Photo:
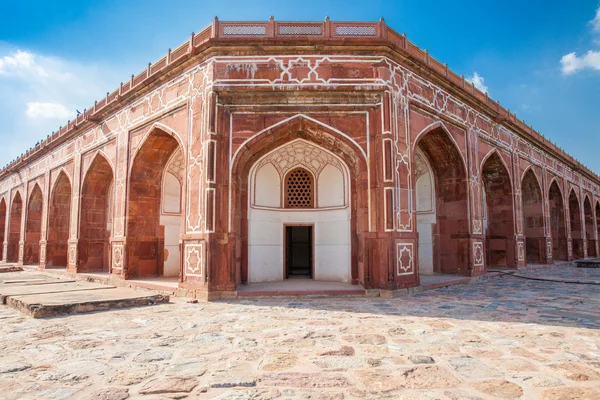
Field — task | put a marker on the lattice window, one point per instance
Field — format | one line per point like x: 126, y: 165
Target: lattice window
x: 355, y: 31
x: 299, y: 189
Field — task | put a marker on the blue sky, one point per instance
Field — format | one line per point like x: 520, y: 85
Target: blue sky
x: 540, y: 59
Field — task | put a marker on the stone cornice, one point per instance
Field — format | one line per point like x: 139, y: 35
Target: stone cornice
x: 327, y: 34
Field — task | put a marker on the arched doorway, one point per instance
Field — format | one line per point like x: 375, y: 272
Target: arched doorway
x: 498, y: 209
x: 362, y: 271
x: 59, y: 218
x: 14, y: 229
x: 154, y: 207
x: 3, y: 226
x: 450, y: 254
x: 575, y: 218
x: 94, y: 223
x: 557, y: 223
x: 589, y: 227
x: 33, y: 226
x: 299, y: 219
x: 533, y: 218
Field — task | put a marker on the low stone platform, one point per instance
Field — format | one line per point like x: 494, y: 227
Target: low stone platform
x: 40, y: 295
x: 10, y: 268
x: 588, y: 263
x: 51, y: 287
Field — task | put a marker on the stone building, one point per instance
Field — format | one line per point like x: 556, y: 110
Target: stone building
x: 265, y: 151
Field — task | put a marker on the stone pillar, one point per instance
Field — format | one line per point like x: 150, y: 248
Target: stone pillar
x: 6, y: 222
x: 199, y: 194
x: 45, y: 208
x: 548, y: 257
x: 118, y: 265
x: 74, y: 219
x: 518, y: 213
x: 25, y: 200
x: 476, y: 243
x: 402, y: 195
x: 567, y: 193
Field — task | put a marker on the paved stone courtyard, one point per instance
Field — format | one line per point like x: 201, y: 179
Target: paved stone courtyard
x: 507, y: 338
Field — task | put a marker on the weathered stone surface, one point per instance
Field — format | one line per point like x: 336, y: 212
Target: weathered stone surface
x: 343, y: 351
x: 500, y: 389
x: 304, y: 380
x: 421, y: 359
x: 169, y: 385
x: 427, y: 378
x: 13, y: 367
x: 152, y: 356
x: 378, y: 381
x: 109, y: 394
x: 133, y: 374
x: 372, y: 339
x: 278, y: 362
x: 74, y: 357
x: 571, y: 393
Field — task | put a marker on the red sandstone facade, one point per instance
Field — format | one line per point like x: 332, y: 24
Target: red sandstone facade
x: 91, y: 197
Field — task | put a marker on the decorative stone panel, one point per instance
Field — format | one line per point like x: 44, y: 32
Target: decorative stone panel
x: 194, y: 259
x: 405, y: 262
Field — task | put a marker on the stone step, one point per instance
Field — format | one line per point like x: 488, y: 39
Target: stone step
x: 52, y: 287
x: 82, y: 301
x: 588, y: 263
x: 10, y: 268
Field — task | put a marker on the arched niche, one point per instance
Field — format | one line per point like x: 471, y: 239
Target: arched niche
x: 533, y: 218
x: 576, y: 227
x: 33, y: 227
x: 299, y: 184
x: 59, y: 218
x: 499, y: 227
x: 558, y: 228
x: 94, y: 229
x: 450, y: 234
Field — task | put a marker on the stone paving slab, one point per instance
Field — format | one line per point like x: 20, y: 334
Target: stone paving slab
x: 31, y: 281
x: 53, y: 304
x: 54, y: 287
x: 9, y: 268
x: 588, y: 263
x: 505, y: 339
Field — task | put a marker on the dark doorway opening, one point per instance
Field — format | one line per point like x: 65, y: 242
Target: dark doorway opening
x: 299, y: 252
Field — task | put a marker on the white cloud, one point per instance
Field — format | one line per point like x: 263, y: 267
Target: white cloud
x: 595, y: 23
x: 20, y: 63
x: 572, y: 63
x: 478, y: 81
x: 39, y: 93
x: 36, y: 109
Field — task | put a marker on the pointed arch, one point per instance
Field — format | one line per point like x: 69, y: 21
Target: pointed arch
x: 253, y: 149
x: 59, y: 219
x: 298, y: 120
x: 558, y: 227
x: 576, y: 226
x: 450, y: 254
x: 588, y: 214
x: 33, y: 226
x: 500, y: 229
x: 436, y: 127
x: 533, y: 217
x: 145, y: 232
x: 497, y: 153
x: 14, y: 228
x: 156, y: 129
x: 94, y: 228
